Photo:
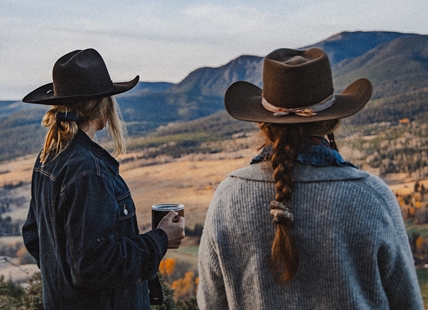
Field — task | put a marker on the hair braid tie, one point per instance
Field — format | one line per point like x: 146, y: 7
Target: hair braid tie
x: 281, y: 213
x: 66, y: 117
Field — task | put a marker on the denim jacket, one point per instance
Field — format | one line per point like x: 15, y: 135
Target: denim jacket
x: 82, y: 230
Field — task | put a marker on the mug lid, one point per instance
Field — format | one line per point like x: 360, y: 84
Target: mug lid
x: 168, y: 207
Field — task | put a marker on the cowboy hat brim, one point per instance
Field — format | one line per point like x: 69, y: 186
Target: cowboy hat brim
x: 45, y: 94
x: 243, y: 101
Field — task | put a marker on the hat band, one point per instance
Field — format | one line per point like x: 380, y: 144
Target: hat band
x: 303, y: 111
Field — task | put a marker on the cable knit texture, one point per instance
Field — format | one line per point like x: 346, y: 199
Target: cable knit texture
x: 353, y: 247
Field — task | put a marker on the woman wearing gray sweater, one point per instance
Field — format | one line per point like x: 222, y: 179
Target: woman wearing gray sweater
x: 301, y: 228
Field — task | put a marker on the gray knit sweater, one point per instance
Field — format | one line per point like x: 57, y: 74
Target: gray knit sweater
x: 353, y: 248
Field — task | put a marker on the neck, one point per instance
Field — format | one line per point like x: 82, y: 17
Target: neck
x: 92, y: 127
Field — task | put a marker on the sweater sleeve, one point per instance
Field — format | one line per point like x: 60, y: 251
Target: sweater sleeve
x: 395, y: 258
x: 398, y: 271
x: 398, y: 276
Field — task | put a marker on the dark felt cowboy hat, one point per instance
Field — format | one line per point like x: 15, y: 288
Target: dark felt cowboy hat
x: 297, y: 88
x: 79, y: 75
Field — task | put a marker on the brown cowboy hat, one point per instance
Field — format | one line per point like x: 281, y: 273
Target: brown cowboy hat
x: 297, y: 88
x: 78, y: 75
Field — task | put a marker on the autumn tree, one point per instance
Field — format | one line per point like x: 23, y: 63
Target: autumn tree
x: 186, y: 287
x: 166, y: 268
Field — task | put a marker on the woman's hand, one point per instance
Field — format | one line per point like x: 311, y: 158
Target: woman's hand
x: 173, y: 225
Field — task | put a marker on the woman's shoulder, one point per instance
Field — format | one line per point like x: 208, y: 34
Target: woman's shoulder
x: 80, y: 157
x: 302, y: 173
x: 75, y: 161
x: 263, y: 172
x: 256, y: 172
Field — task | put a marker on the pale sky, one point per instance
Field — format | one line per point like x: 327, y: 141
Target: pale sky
x: 166, y: 40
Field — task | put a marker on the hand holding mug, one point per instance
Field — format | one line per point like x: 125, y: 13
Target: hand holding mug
x: 170, y: 217
x: 173, y: 225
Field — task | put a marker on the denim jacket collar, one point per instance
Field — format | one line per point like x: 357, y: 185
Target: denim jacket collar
x: 319, y: 153
x: 83, y: 139
x: 316, y: 153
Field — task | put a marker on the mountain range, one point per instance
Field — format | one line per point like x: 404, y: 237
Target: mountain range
x: 395, y: 63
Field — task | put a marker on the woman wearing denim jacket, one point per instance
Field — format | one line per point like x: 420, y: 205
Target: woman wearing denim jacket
x: 81, y: 226
x: 301, y: 228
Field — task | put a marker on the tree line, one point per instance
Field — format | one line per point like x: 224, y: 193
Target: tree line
x: 392, y: 148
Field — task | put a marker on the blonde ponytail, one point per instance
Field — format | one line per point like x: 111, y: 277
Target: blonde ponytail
x: 61, y: 128
x: 59, y: 133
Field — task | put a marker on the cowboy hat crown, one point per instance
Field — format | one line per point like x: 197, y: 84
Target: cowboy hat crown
x: 78, y: 75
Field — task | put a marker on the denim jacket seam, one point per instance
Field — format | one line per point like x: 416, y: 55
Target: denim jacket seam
x: 127, y: 216
x: 97, y: 163
x: 44, y: 172
x: 80, y: 176
x: 123, y: 196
